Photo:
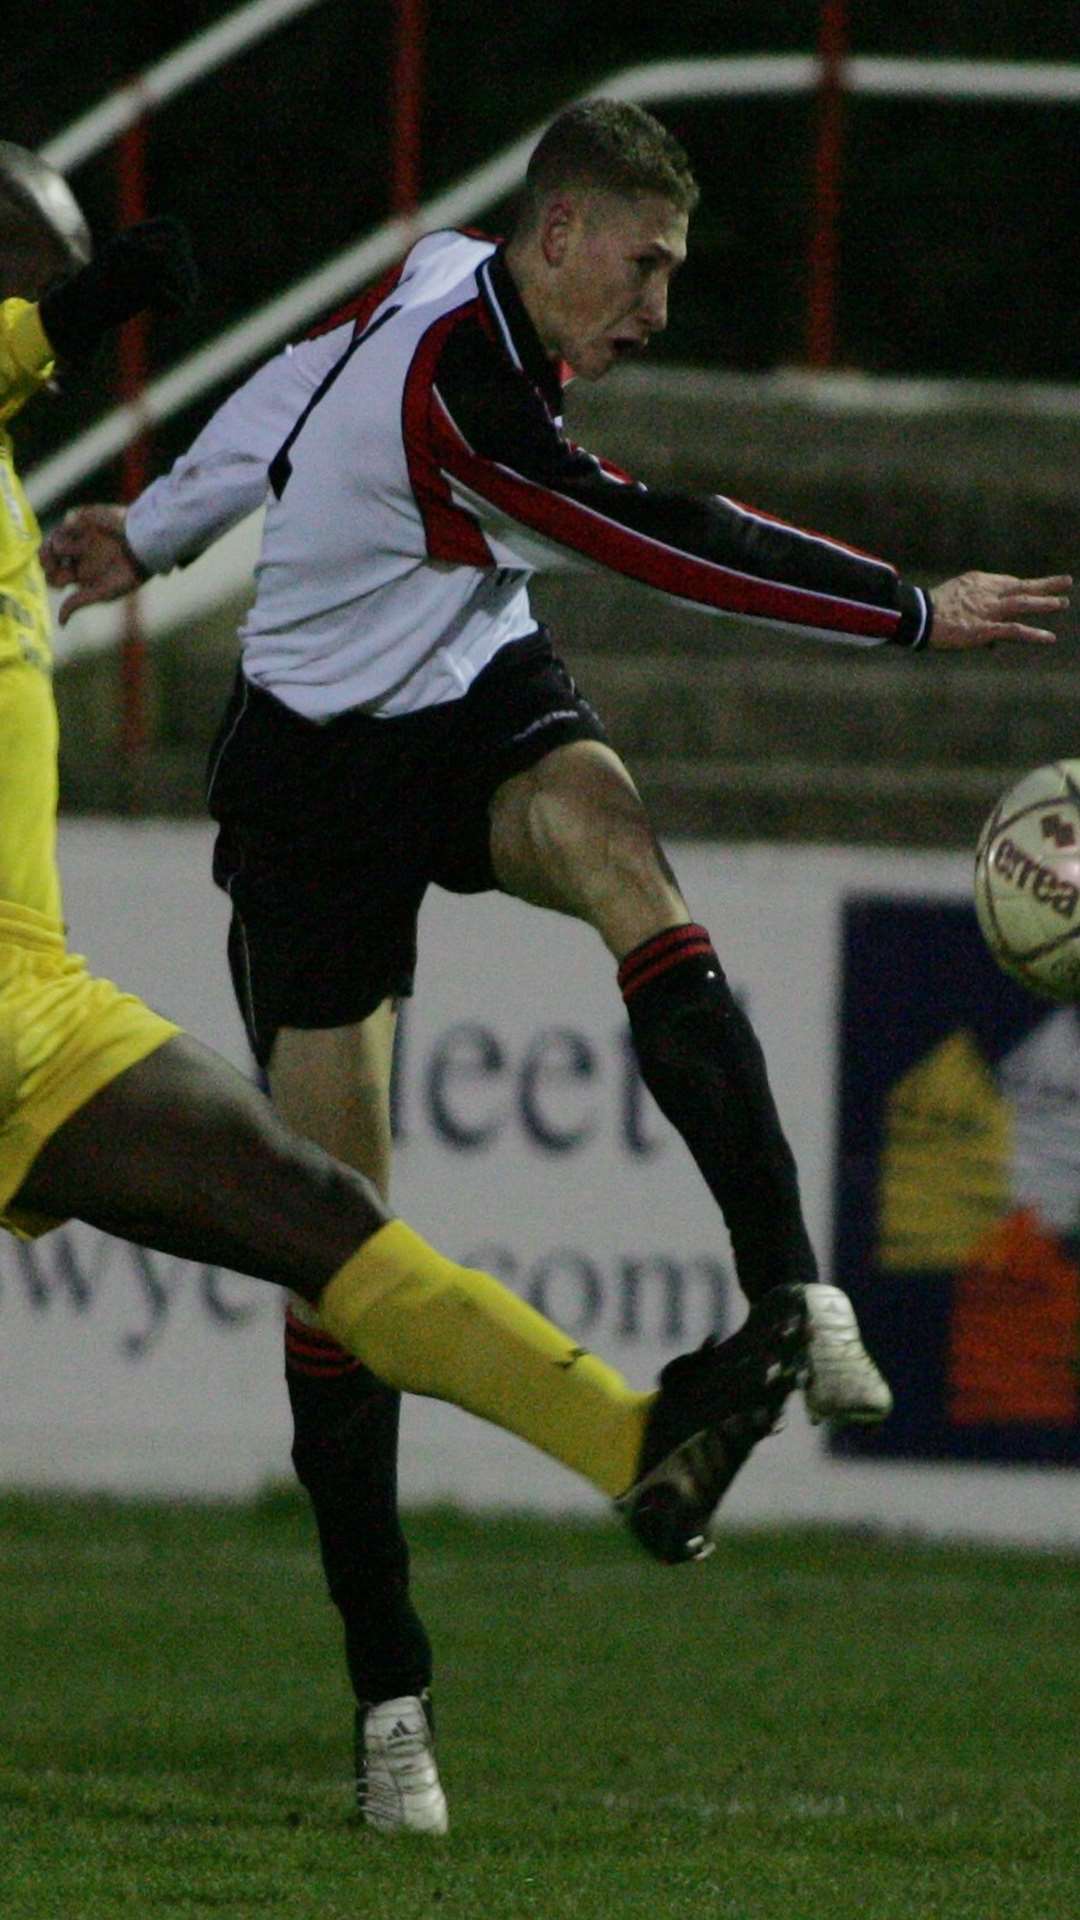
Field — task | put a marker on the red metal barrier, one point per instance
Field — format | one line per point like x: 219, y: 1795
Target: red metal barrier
x: 406, y: 105
x: 133, y: 367
x: 823, y: 246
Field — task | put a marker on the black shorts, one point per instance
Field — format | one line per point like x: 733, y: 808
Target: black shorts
x: 330, y: 833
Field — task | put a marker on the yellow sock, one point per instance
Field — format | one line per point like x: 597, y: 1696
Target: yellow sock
x: 426, y: 1325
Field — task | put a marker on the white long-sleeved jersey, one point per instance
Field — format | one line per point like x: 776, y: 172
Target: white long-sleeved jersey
x: 415, y: 474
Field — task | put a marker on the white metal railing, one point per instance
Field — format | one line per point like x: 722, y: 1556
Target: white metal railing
x: 1028, y: 82
x: 761, y: 74
x: 198, y: 56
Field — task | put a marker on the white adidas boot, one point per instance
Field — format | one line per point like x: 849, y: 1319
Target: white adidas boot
x: 397, y: 1781
x: 843, y: 1382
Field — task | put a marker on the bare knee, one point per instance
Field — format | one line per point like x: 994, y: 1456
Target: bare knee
x: 333, y: 1086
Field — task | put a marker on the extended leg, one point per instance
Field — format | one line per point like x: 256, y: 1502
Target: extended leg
x: 183, y: 1154
x: 572, y: 834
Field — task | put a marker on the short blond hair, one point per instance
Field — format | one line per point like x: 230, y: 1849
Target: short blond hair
x: 614, y: 147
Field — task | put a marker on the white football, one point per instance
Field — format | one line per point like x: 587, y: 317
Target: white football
x: 1027, y: 881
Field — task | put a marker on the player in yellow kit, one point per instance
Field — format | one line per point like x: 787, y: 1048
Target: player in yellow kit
x: 63, y: 1034
x: 27, y: 720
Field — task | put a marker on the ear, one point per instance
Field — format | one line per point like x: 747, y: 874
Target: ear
x: 555, y: 230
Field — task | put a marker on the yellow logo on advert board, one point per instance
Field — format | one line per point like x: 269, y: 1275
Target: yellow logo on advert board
x: 944, y: 1166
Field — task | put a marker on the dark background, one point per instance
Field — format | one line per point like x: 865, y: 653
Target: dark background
x: 959, y: 248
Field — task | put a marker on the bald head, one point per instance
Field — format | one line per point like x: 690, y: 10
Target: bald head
x: 43, y: 235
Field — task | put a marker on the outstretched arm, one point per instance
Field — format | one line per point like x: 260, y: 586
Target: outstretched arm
x: 148, y: 265
x: 540, y: 499
x: 219, y: 481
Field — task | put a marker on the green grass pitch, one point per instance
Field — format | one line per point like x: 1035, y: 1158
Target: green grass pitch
x: 810, y: 1726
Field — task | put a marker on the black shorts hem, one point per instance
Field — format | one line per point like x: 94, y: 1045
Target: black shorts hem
x: 330, y: 834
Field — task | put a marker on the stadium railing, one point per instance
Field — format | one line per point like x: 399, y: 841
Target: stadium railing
x: 240, y: 346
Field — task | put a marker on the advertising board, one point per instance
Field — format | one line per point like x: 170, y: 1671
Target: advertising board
x: 526, y: 1143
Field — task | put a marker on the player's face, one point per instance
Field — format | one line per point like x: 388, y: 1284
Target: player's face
x: 613, y: 260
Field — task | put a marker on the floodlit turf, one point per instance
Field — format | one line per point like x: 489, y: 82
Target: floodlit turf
x: 806, y: 1727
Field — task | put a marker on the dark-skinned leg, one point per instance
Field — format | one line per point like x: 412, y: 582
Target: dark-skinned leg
x: 182, y: 1153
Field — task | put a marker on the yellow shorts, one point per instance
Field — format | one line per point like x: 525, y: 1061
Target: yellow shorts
x: 63, y: 1036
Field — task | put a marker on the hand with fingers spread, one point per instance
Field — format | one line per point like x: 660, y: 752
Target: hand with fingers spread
x: 89, y: 551
x: 977, y: 609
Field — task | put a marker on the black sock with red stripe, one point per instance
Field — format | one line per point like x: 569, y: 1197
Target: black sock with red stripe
x: 704, y: 1067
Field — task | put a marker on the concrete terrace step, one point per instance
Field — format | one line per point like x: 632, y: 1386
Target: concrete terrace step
x: 896, y: 712
x: 946, y: 474
x: 821, y: 802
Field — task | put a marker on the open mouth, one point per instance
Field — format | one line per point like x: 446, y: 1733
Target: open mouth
x: 624, y: 348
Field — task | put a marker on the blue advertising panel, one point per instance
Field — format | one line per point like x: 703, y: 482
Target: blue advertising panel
x: 957, y: 1190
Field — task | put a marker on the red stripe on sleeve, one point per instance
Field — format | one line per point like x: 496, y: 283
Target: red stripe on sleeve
x: 685, y: 576
x: 452, y: 535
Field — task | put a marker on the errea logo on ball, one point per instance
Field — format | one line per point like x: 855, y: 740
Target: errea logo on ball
x: 1023, y: 871
x: 1027, y: 881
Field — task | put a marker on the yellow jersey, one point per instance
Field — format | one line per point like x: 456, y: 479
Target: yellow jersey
x: 28, y: 729
x: 26, y: 362
x: 63, y: 1033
